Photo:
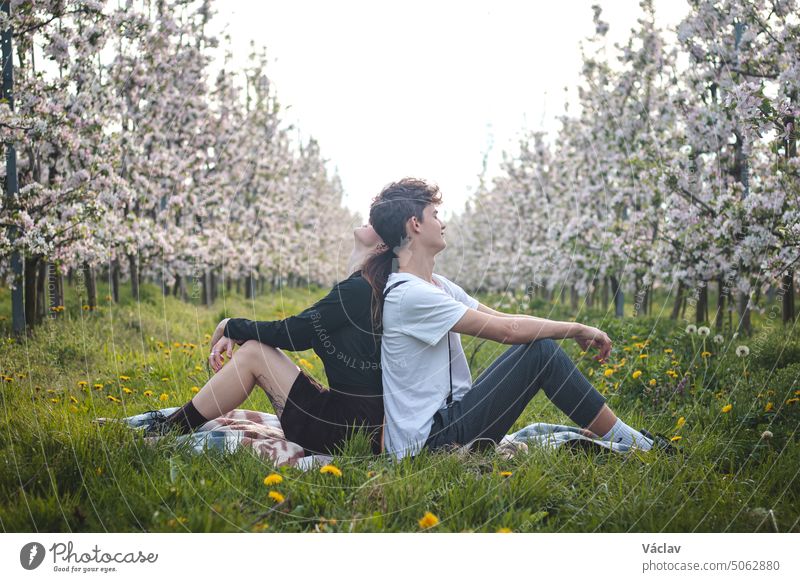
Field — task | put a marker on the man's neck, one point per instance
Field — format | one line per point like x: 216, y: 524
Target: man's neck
x: 417, y: 264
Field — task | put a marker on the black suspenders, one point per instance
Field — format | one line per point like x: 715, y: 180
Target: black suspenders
x: 449, y: 354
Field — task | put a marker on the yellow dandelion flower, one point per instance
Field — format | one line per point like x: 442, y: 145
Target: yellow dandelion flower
x: 634, y: 337
x: 86, y: 308
x: 127, y: 390
x: 371, y: 474
x: 113, y: 398
x: 668, y: 351
x: 198, y: 368
x: 727, y: 408
x: 705, y: 354
x: 428, y: 520
x: 636, y: 374
x: 504, y: 530
x: 582, y: 353
x: 792, y: 400
x: 163, y: 397
x: 272, y: 479
x: 608, y: 372
x: 148, y: 392
x: 165, y: 379
x: 276, y: 497
x: 98, y: 470
x: 73, y: 408
x: 642, y: 356
x: 54, y: 400
x: 797, y: 392
x: 195, y: 389
x: 768, y: 407
x: 676, y: 438
x: 506, y: 473
x: 83, y: 383
x: 675, y: 362
x: 124, y: 378
x: 98, y: 386
x: 591, y: 371
x: 333, y: 470
x: 73, y: 399
x: 652, y: 382
x: 681, y: 422
x: 176, y: 344
x: 626, y: 349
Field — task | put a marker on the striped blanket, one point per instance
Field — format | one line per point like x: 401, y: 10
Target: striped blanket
x: 262, y: 433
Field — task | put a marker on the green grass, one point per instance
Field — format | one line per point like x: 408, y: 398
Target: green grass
x: 62, y: 473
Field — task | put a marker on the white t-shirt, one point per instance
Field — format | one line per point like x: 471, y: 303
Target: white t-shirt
x: 417, y: 317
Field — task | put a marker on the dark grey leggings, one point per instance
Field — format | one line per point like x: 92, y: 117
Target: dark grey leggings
x: 500, y: 394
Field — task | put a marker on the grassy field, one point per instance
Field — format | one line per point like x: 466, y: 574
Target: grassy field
x: 63, y: 474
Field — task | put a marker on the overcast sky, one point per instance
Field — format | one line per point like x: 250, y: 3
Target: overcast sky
x: 423, y: 88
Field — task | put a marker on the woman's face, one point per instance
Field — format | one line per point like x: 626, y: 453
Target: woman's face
x: 366, y: 236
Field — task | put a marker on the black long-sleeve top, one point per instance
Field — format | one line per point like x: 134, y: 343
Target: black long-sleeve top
x: 339, y: 329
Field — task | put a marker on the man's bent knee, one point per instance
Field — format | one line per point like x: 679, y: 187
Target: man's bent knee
x: 545, y: 345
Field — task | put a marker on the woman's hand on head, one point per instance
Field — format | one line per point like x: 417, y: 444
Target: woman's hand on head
x: 591, y: 337
x: 218, y: 351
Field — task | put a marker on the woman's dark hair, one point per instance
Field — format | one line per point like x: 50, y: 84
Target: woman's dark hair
x: 388, y: 214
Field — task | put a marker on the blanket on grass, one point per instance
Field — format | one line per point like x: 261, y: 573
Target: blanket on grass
x: 262, y: 433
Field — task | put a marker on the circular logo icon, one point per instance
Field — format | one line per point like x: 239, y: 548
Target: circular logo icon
x: 31, y: 555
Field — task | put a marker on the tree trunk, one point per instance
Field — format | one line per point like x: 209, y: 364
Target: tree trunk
x: 787, y: 297
x: 115, y: 269
x: 205, y: 297
x: 228, y: 285
x: 745, y: 326
x: 91, y: 286
x: 605, y: 293
x: 238, y: 286
x: 676, y: 307
x: 134, y: 277
x: 30, y: 270
x: 701, y: 309
x: 573, y: 298
x: 618, y: 296
x: 720, y: 315
x: 41, y: 296
x: 212, y: 282
x: 248, y: 286
x: 58, y: 296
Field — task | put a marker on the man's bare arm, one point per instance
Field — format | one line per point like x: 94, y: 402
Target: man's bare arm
x: 507, y: 328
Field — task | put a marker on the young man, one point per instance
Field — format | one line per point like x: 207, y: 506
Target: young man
x: 429, y: 398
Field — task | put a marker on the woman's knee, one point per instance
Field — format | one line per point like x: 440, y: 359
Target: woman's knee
x: 256, y: 351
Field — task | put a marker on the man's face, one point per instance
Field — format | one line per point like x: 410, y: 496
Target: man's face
x: 431, y: 233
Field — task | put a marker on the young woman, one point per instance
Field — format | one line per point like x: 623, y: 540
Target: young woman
x: 339, y: 329
x: 429, y: 398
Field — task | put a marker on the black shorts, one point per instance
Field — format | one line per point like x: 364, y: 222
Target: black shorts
x: 320, y: 419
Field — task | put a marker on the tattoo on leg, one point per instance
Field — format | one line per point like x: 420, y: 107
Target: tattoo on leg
x: 276, y: 401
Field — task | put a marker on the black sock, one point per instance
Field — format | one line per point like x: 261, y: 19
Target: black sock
x: 187, y: 418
